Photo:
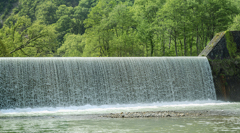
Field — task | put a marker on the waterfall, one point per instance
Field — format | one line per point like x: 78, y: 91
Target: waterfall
x: 58, y: 82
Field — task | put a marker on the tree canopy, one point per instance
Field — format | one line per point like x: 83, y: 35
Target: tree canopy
x: 116, y: 28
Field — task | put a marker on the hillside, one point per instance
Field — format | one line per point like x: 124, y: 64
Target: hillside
x: 106, y: 28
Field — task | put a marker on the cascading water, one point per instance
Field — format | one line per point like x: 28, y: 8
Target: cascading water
x: 57, y: 82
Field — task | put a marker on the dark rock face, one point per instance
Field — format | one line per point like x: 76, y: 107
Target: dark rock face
x: 233, y: 88
x: 219, y: 51
x: 226, y: 77
x: 236, y: 36
x: 227, y: 88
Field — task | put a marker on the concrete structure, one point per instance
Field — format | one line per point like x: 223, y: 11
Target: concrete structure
x: 217, y: 48
x: 226, y: 73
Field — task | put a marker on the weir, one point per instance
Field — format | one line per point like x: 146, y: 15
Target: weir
x: 59, y: 82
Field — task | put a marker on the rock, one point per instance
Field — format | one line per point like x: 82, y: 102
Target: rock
x: 198, y: 113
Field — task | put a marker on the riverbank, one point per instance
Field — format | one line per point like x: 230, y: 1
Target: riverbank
x: 185, y: 113
x: 142, y: 114
x: 95, y: 123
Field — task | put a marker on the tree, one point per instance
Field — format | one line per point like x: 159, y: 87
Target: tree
x: 3, y: 50
x: 23, y: 38
x: 72, y: 3
x: 46, y: 12
x: 171, y: 15
x: 194, y: 22
x: 236, y: 24
x: 145, y: 14
x: 80, y: 14
x: 113, y: 33
x: 114, y: 27
x: 72, y: 46
x: 63, y: 10
x: 63, y: 26
x: 28, y: 8
x: 219, y: 13
x: 98, y: 37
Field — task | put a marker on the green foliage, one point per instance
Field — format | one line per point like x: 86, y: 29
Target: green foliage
x: 64, y: 10
x: 72, y: 3
x: 145, y: 15
x: 113, y: 27
x: 46, y: 12
x: 110, y: 30
x: 6, y: 6
x: 3, y: 51
x: 231, y: 45
x: 63, y: 26
x: 72, y: 47
x: 80, y: 14
x: 235, y: 26
x: 28, y: 8
x: 24, y: 38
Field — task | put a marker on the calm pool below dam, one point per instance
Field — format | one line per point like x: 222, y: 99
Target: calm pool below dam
x: 86, y: 118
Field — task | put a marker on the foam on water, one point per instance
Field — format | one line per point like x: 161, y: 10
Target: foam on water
x: 91, y: 109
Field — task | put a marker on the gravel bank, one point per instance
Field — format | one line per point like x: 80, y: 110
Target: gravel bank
x: 146, y: 114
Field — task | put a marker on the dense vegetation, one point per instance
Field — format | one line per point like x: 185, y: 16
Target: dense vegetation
x: 113, y: 27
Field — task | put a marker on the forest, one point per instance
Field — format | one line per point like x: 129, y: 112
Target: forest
x: 112, y: 28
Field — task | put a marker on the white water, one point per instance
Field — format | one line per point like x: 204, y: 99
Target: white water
x: 72, y: 119
x: 75, y: 82
x: 91, y: 109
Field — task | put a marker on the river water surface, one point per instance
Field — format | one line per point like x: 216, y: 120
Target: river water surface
x: 86, y: 118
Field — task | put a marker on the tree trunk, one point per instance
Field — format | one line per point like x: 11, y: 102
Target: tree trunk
x: 181, y: 47
x: 163, y: 45
x: 185, y: 43
x: 203, y: 41
x: 152, y: 45
x: 197, y: 41
x: 170, y: 39
x: 175, y: 42
x: 191, y: 44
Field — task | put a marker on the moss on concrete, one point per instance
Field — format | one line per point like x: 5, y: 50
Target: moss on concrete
x: 228, y: 67
x: 212, y: 44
